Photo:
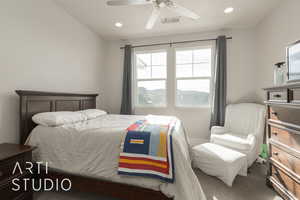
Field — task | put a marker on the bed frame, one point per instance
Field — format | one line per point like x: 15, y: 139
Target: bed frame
x: 33, y: 102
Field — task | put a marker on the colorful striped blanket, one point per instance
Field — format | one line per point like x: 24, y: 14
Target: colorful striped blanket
x: 148, y: 150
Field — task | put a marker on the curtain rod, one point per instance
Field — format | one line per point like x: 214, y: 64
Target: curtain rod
x: 171, y: 43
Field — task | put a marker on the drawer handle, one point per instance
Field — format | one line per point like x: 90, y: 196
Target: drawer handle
x: 274, y: 113
x: 276, y: 153
x: 275, y: 133
x: 277, y: 95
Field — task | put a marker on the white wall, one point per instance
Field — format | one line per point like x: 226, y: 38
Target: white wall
x: 279, y: 29
x: 43, y: 48
x: 113, y: 76
x: 241, y: 73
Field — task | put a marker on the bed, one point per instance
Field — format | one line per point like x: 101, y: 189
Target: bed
x: 91, y: 165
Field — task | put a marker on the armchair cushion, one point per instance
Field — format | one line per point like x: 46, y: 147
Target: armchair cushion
x: 219, y: 130
x: 238, y: 142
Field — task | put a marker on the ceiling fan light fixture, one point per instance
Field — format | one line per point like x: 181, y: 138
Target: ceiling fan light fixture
x: 228, y: 10
x: 118, y: 24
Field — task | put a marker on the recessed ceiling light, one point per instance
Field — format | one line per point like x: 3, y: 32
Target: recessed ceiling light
x: 118, y: 24
x: 228, y: 10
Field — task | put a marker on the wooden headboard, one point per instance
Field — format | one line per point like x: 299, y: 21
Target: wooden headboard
x: 33, y: 102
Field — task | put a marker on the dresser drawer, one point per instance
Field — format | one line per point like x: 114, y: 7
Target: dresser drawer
x: 295, y: 95
x: 281, y: 190
x: 285, y: 136
x: 284, y: 114
x: 289, y: 161
x: 25, y: 196
x: 287, y: 182
x: 7, y: 166
x: 6, y: 191
x: 278, y: 96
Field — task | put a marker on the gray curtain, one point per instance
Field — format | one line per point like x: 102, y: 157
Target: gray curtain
x: 220, y: 83
x: 126, y: 106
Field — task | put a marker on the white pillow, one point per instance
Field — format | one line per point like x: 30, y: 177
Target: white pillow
x: 58, y: 118
x: 92, y: 113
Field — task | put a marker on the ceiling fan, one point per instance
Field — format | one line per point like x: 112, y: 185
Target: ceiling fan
x: 157, y: 6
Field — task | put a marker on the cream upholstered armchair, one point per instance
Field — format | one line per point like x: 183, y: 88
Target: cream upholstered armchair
x: 243, y: 130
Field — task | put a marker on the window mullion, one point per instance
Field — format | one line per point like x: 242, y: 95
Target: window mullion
x: 192, y: 78
x: 152, y: 79
x: 192, y: 63
x: 151, y: 64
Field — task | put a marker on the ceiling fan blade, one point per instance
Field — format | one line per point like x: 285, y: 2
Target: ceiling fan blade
x: 153, y: 18
x: 128, y: 2
x: 183, y: 11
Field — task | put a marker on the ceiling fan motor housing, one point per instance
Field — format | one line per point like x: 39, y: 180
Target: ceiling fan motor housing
x: 170, y: 20
x: 163, y: 3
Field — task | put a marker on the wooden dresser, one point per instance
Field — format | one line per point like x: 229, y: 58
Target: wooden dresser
x: 283, y: 130
x: 10, y: 154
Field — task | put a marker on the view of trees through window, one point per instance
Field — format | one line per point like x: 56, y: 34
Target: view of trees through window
x: 192, y: 77
x: 193, y: 74
x: 151, y: 78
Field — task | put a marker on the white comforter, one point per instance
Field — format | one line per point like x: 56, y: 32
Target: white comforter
x: 92, y: 148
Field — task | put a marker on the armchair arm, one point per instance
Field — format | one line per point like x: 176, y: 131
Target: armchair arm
x: 218, y: 130
x: 257, y: 140
x: 251, y: 139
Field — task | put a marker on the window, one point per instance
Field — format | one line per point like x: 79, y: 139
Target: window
x: 150, y: 78
x: 193, y: 77
x: 173, y: 76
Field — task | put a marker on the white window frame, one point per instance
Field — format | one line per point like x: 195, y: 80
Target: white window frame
x: 171, y: 79
x: 210, y: 78
x: 136, y: 80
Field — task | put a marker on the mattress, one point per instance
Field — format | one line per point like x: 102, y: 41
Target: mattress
x: 92, y: 148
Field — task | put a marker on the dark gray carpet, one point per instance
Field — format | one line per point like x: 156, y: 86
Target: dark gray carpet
x: 251, y: 187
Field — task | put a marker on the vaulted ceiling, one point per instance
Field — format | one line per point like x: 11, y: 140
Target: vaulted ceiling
x: 102, y: 18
